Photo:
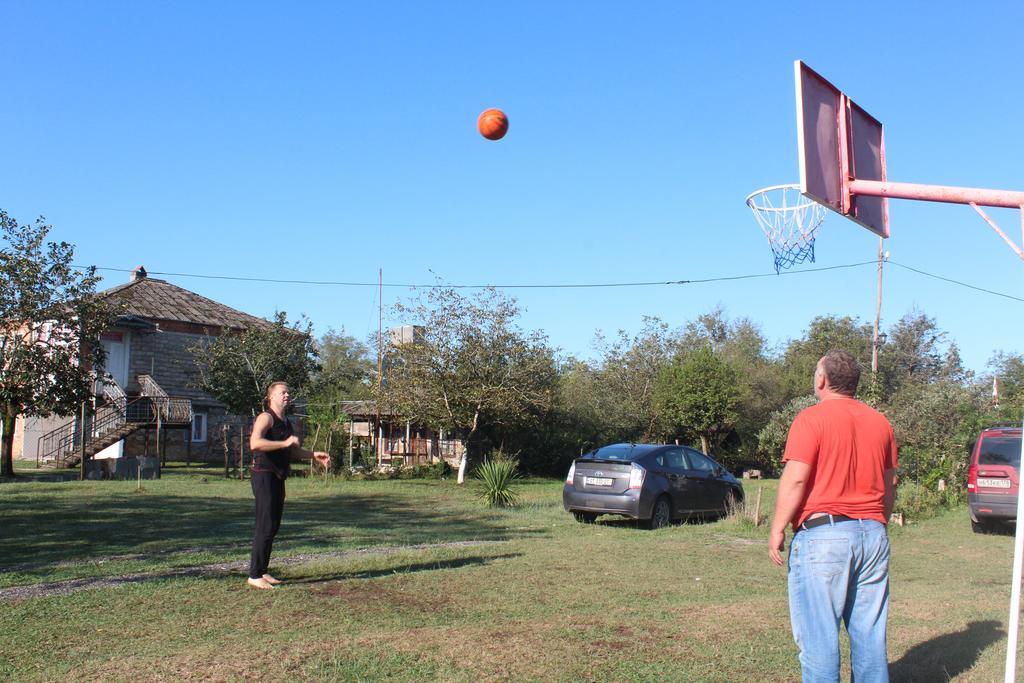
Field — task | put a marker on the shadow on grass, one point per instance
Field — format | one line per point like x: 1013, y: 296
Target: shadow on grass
x: 630, y: 523
x: 946, y: 656
x: 61, y: 526
x: 405, y: 569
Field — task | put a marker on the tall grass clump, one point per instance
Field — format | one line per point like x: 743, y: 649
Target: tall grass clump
x: 498, y: 475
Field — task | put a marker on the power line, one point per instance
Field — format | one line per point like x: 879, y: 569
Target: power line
x: 958, y: 282
x: 586, y: 285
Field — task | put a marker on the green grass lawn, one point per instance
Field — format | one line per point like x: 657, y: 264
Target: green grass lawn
x: 529, y: 595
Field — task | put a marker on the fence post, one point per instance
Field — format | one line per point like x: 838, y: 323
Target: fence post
x: 82, y: 430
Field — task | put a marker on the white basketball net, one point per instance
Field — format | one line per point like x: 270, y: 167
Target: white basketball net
x: 789, y: 220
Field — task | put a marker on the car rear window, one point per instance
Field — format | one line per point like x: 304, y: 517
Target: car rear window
x: 1000, y: 450
x: 619, y: 451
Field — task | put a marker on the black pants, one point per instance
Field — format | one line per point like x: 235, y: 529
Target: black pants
x: 269, y: 491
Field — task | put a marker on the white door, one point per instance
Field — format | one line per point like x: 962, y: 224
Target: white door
x: 116, y: 367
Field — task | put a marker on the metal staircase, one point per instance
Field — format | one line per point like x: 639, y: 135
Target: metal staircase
x: 117, y: 418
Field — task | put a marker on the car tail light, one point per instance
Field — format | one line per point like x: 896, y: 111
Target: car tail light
x: 636, y: 476
x: 972, y: 478
x: 572, y: 473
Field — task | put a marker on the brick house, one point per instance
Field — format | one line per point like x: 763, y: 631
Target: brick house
x: 148, y: 356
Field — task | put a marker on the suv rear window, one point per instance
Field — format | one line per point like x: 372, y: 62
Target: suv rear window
x: 1000, y: 450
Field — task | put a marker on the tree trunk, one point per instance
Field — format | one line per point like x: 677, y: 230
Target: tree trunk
x: 465, y: 450
x: 7, y: 446
x: 465, y: 455
x: 704, y: 444
x: 462, y: 463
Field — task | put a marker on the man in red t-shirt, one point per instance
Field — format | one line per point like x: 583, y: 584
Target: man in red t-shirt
x: 837, y: 490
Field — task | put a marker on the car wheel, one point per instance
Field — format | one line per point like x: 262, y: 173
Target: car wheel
x: 584, y: 517
x: 661, y: 513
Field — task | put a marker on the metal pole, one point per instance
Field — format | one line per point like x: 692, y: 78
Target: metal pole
x: 878, y: 309
x: 1018, y: 560
x: 1008, y: 199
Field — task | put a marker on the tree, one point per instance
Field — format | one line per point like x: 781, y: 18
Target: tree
x: 740, y: 344
x: 344, y: 374
x: 771, y: 440
x: 51, y: 319
x: 1008, y: 370
x: 935, y: 424
x: 823, y: 334
x: 236, y: 368
x: 628, y: 373
x: 916, y: 353
x: 468, y: 365
x: 698, y: 394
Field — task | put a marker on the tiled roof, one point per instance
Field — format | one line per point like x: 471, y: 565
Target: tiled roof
x: 156, y: 300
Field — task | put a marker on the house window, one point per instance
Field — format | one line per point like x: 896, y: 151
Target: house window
x: 198, y: 427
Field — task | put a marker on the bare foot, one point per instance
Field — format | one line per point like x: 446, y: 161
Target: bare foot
x: 260, y: 583
x: 271, y: 580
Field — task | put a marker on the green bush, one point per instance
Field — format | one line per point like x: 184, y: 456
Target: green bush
x: 916, y: 501
x: 498, y: 475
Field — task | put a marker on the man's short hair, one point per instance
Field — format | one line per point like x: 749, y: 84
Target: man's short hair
x: 270, y: 387
x: 842, y: 372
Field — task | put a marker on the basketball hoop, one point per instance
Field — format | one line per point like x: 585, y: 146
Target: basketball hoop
x: 789, y: 220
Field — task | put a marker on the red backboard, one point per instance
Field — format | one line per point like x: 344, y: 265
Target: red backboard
x: 838, y: 141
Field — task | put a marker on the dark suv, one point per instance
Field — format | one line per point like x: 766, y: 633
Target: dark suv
x: 993, y: 477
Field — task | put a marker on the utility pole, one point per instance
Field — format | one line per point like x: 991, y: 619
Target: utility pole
x: 380, y: 355
x: 878, y: 310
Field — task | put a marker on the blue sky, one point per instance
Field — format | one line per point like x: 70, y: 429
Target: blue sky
x: 322, y: 141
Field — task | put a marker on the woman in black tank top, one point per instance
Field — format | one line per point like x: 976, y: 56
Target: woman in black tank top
x: 273, y: 444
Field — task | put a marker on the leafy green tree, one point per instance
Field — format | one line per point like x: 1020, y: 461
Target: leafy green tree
x: 52, y: 320
x: 1008, y: 369
x: 771, y: 439
x: 699, y: 395
x: 935, y: 424
x: 345, y: 373
x: 470, y: 365
x: 741, y: 344
x: 236, y: 368
x: 916, y: 352
x: 626, y: 378
x: 823, y: 334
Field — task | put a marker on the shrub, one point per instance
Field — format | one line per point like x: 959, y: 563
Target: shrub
x: 916, y: 501
x: 498, y: 475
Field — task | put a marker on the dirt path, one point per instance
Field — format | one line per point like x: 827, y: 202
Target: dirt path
x: 92, y: 583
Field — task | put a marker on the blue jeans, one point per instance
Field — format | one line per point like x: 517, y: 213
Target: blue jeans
x: 839, y: 571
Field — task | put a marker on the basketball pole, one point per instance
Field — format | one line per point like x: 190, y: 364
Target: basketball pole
x: 974, y: 197
x: 1018, y: 555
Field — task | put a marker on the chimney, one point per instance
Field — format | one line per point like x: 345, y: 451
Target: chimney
x: 138, y: 273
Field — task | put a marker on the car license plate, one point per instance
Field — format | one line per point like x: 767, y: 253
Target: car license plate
x: 994, y: 483
x: 597, y: 481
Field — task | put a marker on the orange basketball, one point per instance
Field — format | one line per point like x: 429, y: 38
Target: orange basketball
x: 493, y: 124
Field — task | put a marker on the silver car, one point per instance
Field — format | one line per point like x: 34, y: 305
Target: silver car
x: 651, y: 482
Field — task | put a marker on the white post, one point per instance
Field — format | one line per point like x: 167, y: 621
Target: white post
x: 1018, y: 556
